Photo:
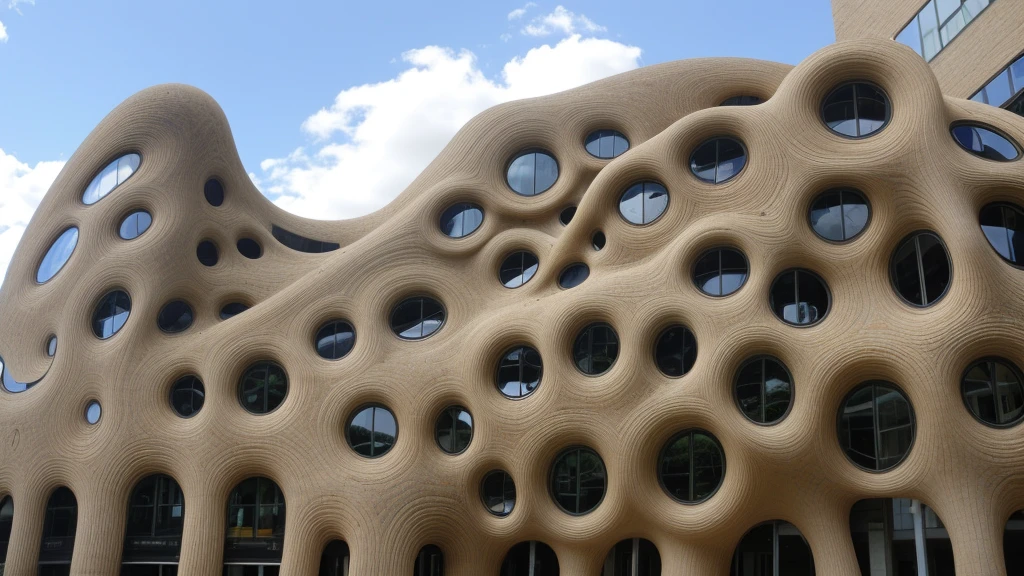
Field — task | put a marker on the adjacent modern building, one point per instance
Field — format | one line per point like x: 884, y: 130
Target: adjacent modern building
x: 708, y: 317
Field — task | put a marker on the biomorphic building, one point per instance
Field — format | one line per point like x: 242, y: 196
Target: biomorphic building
x: 710, y: 317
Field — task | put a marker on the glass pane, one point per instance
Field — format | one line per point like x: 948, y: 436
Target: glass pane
x: 911, y: 36
x: 731, y: 159
x: 674, y: 468
x: 1017, y: 74
x: 936, y: 267
x: 872, y: 108
x: 838, y: 111
x: 704, y: 161
x: 929, y: 31
x: 857, y: 428
x: 998, y: 90
x: 58, y: 254
x: 946, y: 8
x: 707, y: 466
x: 905, y: 273
x: 520, y: 175
x: 631, y: 205
x: 547, y: 172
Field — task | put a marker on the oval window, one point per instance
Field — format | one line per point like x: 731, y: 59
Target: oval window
x: 606, y: 144
x: 578, y: 480
x: 454, y: 430
x: 573, y: 275
x: 718, y: 160
x: 532, y: 173
x: 839, y: 215
x: 799, y: 297
x: 175, y: 316
x: 876, y: 426
x: 206, y: 252
x: 595, y: 349
x: 214, y: 192
x: 134, y: 225
x: 112, y: 176
x: 111, y: 313
x: 643, y: 202
x: 335, y: 339
x: 984, y: 142
x: 93, y: 411
x: 676, y: 351
x: 232, y: 309
x: 372, y: 431
x: 691, y: 466
x: 920, y: 269
x: 249, y: 248
x: 518, y: 268
x: 416, y: 318
x: 58, y: 255
x: 856, y: 110
x: 187, y: 396
x: 720, y: 271
x: 498, y: 492
x: 263, y: 387
x: 764, y: 390
x: 993, y: 392
x: 1003, y: 225
x: 519, y: 372
x: 461, y: 220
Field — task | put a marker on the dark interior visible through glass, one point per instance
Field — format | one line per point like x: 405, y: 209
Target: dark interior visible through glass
x: 993, y: 391
x: 633, y: 557
x: 1003, y: 225
x: 985, y: 143
x: 578, y: 480
x: 773, y: 549
x: 232, y: 309
x: 856, y: 110
x: 206, y: 252
x: 111, y: 313
x: 598, y: 240
x: 188, y: 395
x: 800, y: 297
x: 518, y: 268
x: 595, y: 349
x: 573, y: 275
x: 764, y: 389
x: 263, y: 387
x: 372, y: 431
x: 876, y: 426
x: 256, y: 510
x: 454, y: 429
x: 417, y: 317
x: 691, y: 466
x: 839, y: 214
x: 519, y: 371
x: 156, y: 518
x: 530, y: 559
x: 59, y: 527
x: 675, y: 352
x: 301, y: 243
x: 741, y: 101
x: 335, y: 339
x: 429, y: 562
x: 565, y: 216
x: 718, y: 160
x: 498, y: 492
x: 175, y: 316
x: 920, y: 269
x: 720, y: 271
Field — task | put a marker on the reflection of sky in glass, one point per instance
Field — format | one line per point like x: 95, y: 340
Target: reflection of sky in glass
x: 57, y: 255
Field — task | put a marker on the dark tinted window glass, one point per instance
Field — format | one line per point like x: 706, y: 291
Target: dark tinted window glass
x: 214, y: 192
x: 416, y: 318
x: 461, y: 220
x: 691, y: 466
x: 157, y: 510
x: 573, y: 275
x: 519, y: 372
x: 718, y: 160
x: 334, y: 561
x: 876, y: 426
x: 1003, y: 225
x: 578, y: 480
x: 643, y: 202
x: 206, y: 252
x: 249, y: 248
x: 372, y: 431
x: 454, y: 429
x: 263, y: 387
x: 774, y: 544
x: 764, y: 390
x: 232, y: 309
x: 58, y: 254
x: 532, y: 173
x: 175, y: 316
x: 518, y: 268
x: 429, y: 562
x: 620, y: 559
x: 188, y: 395
x: 720, y: 271
x: 741, y: 101
x: 6, y: 519
x: 595, y: 349
x: 135, y: 224
x: 256, y: 509
x: 839, y: 215
x: 498, y: 492
x: 530, y: 559
x: 335, y: 339
x: 565, y: 216
x: 111, y: 314
x: 799, y: 297
x: 606, y: 144
x: 61, y: 516
x: 985, y: 143
x: 856, y: 109
x: 676, y: 351
x: 920, y: 269
x: 301, y: 243
x: 993, y: 392
x: 598, y: 240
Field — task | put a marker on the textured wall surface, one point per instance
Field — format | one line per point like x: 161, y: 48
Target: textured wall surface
x: 913, y: 173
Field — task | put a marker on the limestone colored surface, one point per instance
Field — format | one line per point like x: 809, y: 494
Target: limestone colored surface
x: 386, y: 509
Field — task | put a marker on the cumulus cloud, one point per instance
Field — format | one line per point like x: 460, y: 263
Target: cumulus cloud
x: 520, y: 12
x: 375, y: 138
x: 3, y: 33
x: 21, y: 188
x: 561, y: 20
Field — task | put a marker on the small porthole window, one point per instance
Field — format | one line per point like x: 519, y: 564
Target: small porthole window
x: 532, y: 173
x: 718, y: 160
x: 578, y: 480
x: 206, y: 252
x: 461, y: 220
x: 372, y: 431
x: 93, y: 411
x: 691, y: 466
x: 741, y: 101
x: 764, y: 389
x: 596, y: 349
x: 565, y: 216
x: 51, y: 346
x: 839, y: 215
x: 606, y: 144
x: 58, y: 255
x: 876, y: 426
x: 134, y: 225
x: 111, y: 313
x: 498, y: 492
x: 416, y: 318
x: 454, y: 430
x: 993, y: 392
x: 519, y: 372
x: 518, y: 268
x: 598, y: 240
x: 799, y: 297
x: 985, y: 143
x: 175, y: 316
x: 187, y: 396
x: 112, y: 176
x: 214, y: 192
x: 643, y: 202
x: 334, y: 340
x: 232, y: 309
x: 249, y: 248
x: 676, y: 351
x: 856, y: 110
x: 1003, y: 225
x: 263, y: 387
x: 920, y: 269
x: 573, y: 275
x: 720, y: 271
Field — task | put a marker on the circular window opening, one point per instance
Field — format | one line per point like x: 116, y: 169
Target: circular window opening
x: 573, y: 275
x: 764, y: 390
x: 840, y: 215
x: 134, y: 225
x: 578, y: 480
x: 565, y: 216
x: 206, y: 252
x: 606, y: 144
x: 676, y: 351
x: 518, y: 268
x: 187, y: 396
x: 249, y: 248
x: 984, y: 142
x: 112, y: 176
x: 718, y: 160
x: 461, y: 220
x: 876, y: 426
x: 263, y: 387
x: 416, y: 318
x: 799, y: 297
x: 93, y: 411
x: 175, y: 316
x: 58, y: 255
x: 498, y: 492
x: 920, y: 269
x: 519, y: 372
x: 720, y: 271
x: 335, y: 339
x: 232, y: 309
x: 51, y: 346
x: 691, y: 466
x: 856, y: 110
x: 643, y: 203
x: 372, y: 431
x: 532, y: 173
x: 214, y: 192
x: 595, y: 349
x: 993, y: 392
x: 530, y: 559
x: 742, y: 101
x: 111, y: 313
x: 454, y: 430
x: 647, y: 559
x: 1003, y: 225
x: 598, y: 240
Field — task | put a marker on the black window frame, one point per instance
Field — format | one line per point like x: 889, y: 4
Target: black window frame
x: 335, y: 324
x: 279, y: 500
x: 507, y: 480
x: 174, y: 489
x: 993, y: 388
x: 522, y: 254
x: 856, y: 111
x: 375, y: 406
x: 588, y: 329
x: 565, y: 453
x: 841, y: 190
x: 191, y: 380
x: 267, y: 365
x: 975, y: 124
x: 719, y: 250
x: 523, y: 349
x: 796, y: 272
x: 187, y: 310
x: 915, y: 236
x: 570, y: 267
x: 456, y: 209
x: 643, y: 203
x: 875, y: 430
x: 532, y: 150
x: 661, y: 456
x: 454, y: 411
x: 421, y: 297
x: 1003, y: 206
x: 114, y: 294
x: 763, y: 359
x: 718, y: 150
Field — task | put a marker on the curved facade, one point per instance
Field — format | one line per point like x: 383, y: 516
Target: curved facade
x: 297, y: 390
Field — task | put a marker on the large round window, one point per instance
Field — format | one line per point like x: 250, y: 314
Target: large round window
x: 461, y: 219
x: 839, y: 215
x: 578, y: 480
x: 985, y: 143
x: 720, y: 271
x: 416, y: 318
x: 372, y: 431
x: 920, y: 269
x: 454, y: 429
x: 718, y: 160
x: 876, y: 426
x: 519, y: 372
x: 263, y: 387
x: 1003, y: 225
x: 691, y: 466
x: 676, y: 351
x: 335, y: 339
x: 188, y: 396
x: 58, y: 255
x: 518, y: 268
x: 800, y: 297
x: 595, y: 349
x: 498, y: 492
x: 532, y: 173
x: 643, y: 202
x: 111, y: 314
x: 175, y: 316
x: 993, y: 391
x: 856, y: 110
x: 764, y: 389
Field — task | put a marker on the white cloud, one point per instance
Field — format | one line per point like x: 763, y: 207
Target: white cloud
x: 505, y: 37
x: 376, y: 138
x: 21, y: 189
x: 13, y: 4
x: 519, y: 12
x: 561, y: 20
x: 3, y: 33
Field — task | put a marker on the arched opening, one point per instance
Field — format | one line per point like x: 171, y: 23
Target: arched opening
x: 6, y: 521
x: 334, y: 560
x: 429, y: 562
x: 1013, y: 542
x: 530, y: 558
x: 773, y: 549
x: 156, y: 516
x: 893, y: 536
x: 59, y: 528
x: 255, y: 529
x: 633, y: 557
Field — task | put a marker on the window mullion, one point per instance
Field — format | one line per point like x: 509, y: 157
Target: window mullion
x: 693, y: 457
x: 874, y: 418
x: 920, y: 269
x: 856, y: 113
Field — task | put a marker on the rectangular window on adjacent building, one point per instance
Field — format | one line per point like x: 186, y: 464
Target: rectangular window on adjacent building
x: 1006, y: 90
x: 935, y: 25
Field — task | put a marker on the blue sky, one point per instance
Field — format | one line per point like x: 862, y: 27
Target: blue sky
x: 319, y: 93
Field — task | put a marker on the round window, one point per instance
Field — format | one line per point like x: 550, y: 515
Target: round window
x: 454, y: 430
x: 263, y: 387
x: 175, y: 316
x: 920, y: 269
x: 985, y: 143
x: 214, y: 192
x: 93, y: 411
x: 718, y: 160
x: 578, y: 480
x: 112, y: 176
x: 856, y: 110
x: 764, y: 390
x: 532, y: 173
x: 416, y: 318
x: 643, y: 202
x: 606, y: 144
x: 335, y: 339
x: 876, y: 426
x: 206, y: 252
x: 573, y: 275
x: 839, y: 215
x: 187, y: 396
x: 993, y: 392
x: 799, y: 297
x: 691, y: 466
x: 676, y: 351
x: 461, y: 220
x: 134, y: 225
x: 372, y: 431
x: 519, y: 372
x: 720, y: 271
x: 595, y: 349
x: 111, y: 313
x: 518, y: 268
x: 498, y: 492
x: 249, y: 248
